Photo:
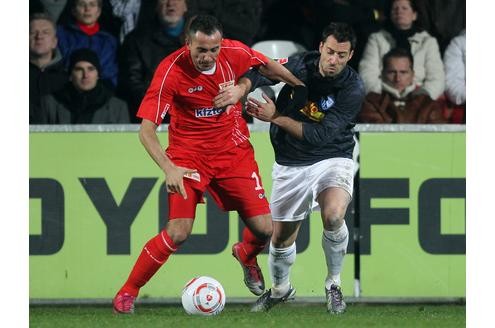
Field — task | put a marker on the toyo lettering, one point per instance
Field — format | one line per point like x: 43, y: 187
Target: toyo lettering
x: 119, y: 215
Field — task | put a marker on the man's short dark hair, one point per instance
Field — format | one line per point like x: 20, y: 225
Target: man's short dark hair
x: 398, y: 53
x: 342, y: 32
x: 206, y: 24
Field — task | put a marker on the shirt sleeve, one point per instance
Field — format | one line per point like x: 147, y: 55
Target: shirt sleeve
x: 242, y: 56
x: 159, y: 97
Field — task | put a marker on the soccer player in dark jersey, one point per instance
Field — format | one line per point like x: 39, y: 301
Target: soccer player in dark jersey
x: 314, y: 169
x: 208, y: 148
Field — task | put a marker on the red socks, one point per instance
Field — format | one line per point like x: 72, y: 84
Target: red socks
x: 157, y: 250
x: 251, y: 245
x: 154, y: 254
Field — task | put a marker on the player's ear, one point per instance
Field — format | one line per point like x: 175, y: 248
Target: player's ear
x: 350, y: 55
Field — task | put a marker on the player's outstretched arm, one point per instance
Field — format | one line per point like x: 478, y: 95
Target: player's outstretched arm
x: 174, y: 174
x: 276, y: 71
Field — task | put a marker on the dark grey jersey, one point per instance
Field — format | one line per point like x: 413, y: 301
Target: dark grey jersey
x: 328, y: 116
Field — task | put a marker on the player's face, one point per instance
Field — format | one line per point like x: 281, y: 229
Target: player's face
x: 84, y: 76
x: 402, y: 14
x: 204, y: 49
x: 398, y: 73
x: 42, y: 39
x: 87, y: 12
x: 171, y: 11
x: 334, y: 56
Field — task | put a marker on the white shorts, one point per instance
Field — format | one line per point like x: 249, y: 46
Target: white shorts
x: 296, y: 188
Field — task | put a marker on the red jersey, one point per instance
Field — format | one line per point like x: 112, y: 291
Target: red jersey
x: 187, y: 96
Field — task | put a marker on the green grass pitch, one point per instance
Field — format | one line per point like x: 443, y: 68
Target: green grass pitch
x: 238, y: 315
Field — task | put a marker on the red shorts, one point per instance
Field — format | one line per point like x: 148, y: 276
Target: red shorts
x: 232, y: 178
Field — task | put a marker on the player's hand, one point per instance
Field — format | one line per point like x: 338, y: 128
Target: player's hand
x: 298, y: 97
x: 175, y: 179
x: 228, y: 97
x: 265, y: 111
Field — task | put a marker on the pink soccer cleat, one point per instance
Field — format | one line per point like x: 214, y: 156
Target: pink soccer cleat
x: 253, y: 278
x: 123, y: 303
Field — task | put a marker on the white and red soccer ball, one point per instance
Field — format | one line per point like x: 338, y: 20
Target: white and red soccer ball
x: 203, y: 296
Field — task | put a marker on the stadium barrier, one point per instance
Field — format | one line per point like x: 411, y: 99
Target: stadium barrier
x: 96, y: 197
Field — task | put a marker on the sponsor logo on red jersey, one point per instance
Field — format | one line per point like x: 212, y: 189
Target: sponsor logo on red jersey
x: 207, y: 112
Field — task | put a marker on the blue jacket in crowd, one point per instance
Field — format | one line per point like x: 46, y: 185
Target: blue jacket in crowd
x: 70, y: 38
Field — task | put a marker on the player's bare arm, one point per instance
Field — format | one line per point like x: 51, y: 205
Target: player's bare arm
x: 174, y: 174
x: 276, y: 71
x: 268, y: 112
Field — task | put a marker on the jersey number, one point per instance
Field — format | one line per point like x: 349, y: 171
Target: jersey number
x: 257, y: 179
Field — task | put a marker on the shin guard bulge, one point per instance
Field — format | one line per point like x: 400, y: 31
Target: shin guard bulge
x: 154, y: 254
x: 334, y: 245
x: 280, y: 261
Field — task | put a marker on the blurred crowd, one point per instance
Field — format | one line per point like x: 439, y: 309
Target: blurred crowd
x: 91, y: 61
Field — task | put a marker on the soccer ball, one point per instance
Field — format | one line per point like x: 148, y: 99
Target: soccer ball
x: 203, y: 296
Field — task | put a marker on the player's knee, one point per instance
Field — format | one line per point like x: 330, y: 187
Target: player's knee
x: 263, y: 230
x: 178, y: 236
x: 281, y: 242
x: 179, y: 230
x: 333, y: 217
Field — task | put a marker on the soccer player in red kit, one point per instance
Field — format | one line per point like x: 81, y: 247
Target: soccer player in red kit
x: 208, y: 149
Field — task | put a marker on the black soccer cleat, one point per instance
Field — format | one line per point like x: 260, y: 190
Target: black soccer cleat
x: 266, y: 302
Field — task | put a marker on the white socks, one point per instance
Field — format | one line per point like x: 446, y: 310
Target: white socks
x: 334, y: 245
x: 280, y: 261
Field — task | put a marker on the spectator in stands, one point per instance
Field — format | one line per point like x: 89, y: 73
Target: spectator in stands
x: 84, y: 99
x: 401, y: 31
x: 144, y: 48
x: 400, y: 100
x: 444, y: 19
x: 128, y: 12
x: 83, y: 31
x: 240, y: 18
x: 46, y: 69
x: 455, y: 78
